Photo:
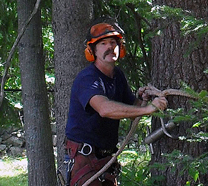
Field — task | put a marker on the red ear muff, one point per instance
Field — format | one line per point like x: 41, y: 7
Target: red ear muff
x: 89, y: 54
x: 122, y: 50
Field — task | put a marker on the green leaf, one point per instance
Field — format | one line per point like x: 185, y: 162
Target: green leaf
x: 203, y: 93
x: 194, y: 173
x: 196, y: 124
x: 188, y: 183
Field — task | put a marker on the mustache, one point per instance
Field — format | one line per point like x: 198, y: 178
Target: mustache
x: 109, y: 51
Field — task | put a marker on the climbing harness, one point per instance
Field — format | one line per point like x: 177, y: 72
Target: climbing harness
x: 84, y: 163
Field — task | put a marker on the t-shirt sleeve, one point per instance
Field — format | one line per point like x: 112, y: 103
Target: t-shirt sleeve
x: 129, y: 97
x: 88, y: 87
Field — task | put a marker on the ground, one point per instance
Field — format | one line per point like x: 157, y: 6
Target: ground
x: 13, y: 172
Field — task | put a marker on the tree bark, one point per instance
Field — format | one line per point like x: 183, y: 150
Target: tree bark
x: 71, y: 20
x: 173, y: 63
x: 41, y: 164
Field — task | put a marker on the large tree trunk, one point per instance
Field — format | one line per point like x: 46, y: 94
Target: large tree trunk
x: 41, y: 164
x: 70, y: 23
x: 171, y: 65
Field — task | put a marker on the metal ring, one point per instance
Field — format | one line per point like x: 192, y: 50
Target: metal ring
x: 86, y: 149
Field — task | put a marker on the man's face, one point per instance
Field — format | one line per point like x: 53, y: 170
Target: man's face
x: 107, y: 50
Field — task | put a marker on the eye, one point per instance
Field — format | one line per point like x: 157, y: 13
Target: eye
x: 102, y: 42
x: 113, y: 42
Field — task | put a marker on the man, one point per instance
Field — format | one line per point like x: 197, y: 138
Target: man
x: 100, y: 97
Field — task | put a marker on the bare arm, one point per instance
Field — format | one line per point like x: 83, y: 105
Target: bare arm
x: 117, y: 110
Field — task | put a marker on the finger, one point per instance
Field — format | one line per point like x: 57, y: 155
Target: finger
x: 141, y: 90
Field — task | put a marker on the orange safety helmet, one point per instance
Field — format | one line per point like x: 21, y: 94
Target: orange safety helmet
x: 100, y: 31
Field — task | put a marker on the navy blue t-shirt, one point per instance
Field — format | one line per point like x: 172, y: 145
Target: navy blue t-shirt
x: 84, y: 123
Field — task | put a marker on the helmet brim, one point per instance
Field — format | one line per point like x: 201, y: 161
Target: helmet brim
x: 109, y: 34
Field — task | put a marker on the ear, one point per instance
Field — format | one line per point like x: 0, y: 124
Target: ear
x: 122, y: 50
x: 89, y: 54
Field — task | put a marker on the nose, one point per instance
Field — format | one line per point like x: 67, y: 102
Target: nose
x: 111, y: 45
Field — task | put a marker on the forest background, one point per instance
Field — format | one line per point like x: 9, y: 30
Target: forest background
x: 148, y: 25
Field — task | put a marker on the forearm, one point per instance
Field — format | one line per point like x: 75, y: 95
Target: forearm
x: 117, y: 110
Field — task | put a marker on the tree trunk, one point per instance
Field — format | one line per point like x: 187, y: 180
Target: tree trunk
x: 171, y: 65
x: 70, y: 23
x: 41, y: 164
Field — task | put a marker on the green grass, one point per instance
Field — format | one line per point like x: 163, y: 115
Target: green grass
x: 13, y: 172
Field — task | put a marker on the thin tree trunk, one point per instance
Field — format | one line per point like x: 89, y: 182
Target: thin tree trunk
x: 70, y: 23
x: 41, y: 164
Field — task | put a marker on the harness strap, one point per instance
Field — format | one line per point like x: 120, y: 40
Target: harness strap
x: 86, y: 170
x: 81, y: 173
x: 73, y: 147
x: 94, y: 165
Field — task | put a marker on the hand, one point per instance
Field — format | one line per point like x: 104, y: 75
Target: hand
x: 142, y: 94
x: 160, y: 103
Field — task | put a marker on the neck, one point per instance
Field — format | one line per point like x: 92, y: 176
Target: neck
x: 108, y: 70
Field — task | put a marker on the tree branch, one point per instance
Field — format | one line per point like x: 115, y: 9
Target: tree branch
x: 138, y: 19
x: 8, y: 61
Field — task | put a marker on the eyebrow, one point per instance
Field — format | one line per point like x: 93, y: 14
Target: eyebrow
x: 111, y: 38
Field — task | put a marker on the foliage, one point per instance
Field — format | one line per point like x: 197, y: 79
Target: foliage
x: 197, y: 115
x: 9, y: 116
x: 138, y: 34
x: 140, y: 133
x: 48, y: 40
x: 195, y: 167
x: 134, y: 167
x: 8, y: 27
x: 189, y: 24
x: 136, y: 64
x: 136, y: 156
x: 8, y: 33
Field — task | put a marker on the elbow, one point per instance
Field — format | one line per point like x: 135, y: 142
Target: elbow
x: 101, y: 105
x: 103, y: 113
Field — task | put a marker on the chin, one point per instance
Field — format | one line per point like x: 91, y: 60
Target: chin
x: 113, y: 60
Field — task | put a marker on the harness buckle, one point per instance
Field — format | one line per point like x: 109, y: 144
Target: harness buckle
x: 101, y: 178
x: 86, y: 149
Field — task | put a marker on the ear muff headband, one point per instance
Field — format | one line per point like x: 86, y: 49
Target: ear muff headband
x: 89, y: 55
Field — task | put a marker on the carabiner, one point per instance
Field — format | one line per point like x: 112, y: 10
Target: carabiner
x: 86, y: 149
